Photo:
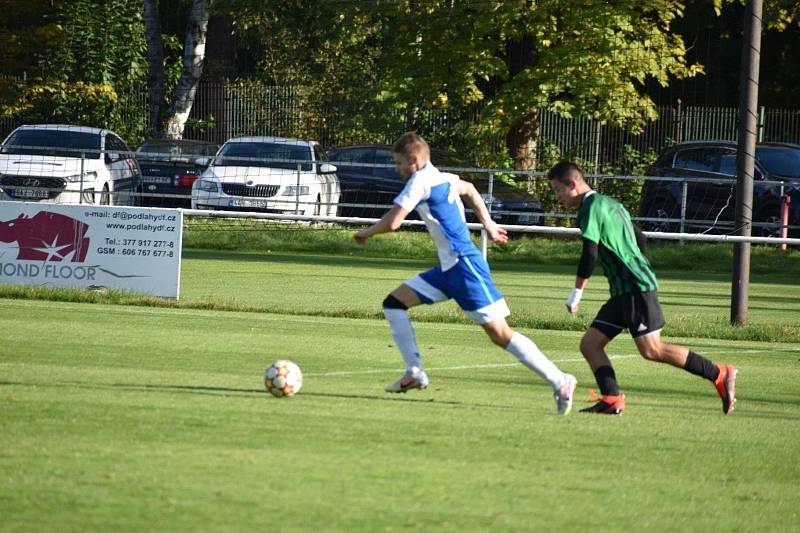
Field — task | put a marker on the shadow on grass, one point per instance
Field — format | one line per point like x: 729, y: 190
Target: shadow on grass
x: 361, y: 258
x: 230, y: 391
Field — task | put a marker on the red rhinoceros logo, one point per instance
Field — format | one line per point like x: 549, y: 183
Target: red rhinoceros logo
x: 47, y: 237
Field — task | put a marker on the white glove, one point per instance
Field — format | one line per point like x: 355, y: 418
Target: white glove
x: 574, y: 298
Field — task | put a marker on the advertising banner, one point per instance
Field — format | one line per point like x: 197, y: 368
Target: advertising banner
x: 132, y: 248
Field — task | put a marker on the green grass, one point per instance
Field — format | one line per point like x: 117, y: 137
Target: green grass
x: 125, y: 412
x: 269, y: 237
x: 126, y: 418
x: 696, y: 304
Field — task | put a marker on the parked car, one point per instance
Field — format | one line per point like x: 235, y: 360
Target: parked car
x: 170, y: 168
x: 269, y: 174
x: 67, y: 164
x: 711, y: 203
x: 368, y: 191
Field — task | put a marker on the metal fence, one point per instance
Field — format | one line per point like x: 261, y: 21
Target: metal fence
x: 224, y: 110
x: 311, y: 187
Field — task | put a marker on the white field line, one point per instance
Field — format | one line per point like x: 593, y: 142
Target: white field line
x: 509, y: 365
x: 459, y: 367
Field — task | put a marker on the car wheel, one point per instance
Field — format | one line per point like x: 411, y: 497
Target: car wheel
x: 660, y: 212
x: 105, y: 196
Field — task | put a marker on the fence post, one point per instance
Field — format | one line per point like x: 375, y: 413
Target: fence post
x: 761, y: 120
x: 678, y: 122
x: 597, y: 145
x: 684, y: 193
x: 297, y: 191
x: 484, y: 235
x: 786, y: 202
x: 80, y: 193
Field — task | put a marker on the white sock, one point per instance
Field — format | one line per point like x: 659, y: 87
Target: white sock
x: 403, y: 335
x: 526, y: 351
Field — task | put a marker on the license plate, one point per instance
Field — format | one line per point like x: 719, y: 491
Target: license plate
x: 528, y: 219
x: 157, y: 179
x: 31, y: 193
x: 248, y: 203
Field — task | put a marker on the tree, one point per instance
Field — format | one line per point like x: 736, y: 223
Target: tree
x: 514, y: 58
x: 87, y: 69
x: 171, y: 123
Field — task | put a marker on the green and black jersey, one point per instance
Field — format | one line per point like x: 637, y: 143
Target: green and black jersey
x: 606, y: 222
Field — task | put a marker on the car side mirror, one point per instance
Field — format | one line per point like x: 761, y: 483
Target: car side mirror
x: 112, y: 157
x: 327, y: 168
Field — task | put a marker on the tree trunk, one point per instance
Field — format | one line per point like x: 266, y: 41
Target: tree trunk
x: 155, y: 65
x: 194, y: 56
x: 523, y: 136
x: 522, y: 140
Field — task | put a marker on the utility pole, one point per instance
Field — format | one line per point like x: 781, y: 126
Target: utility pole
x: 745, y: 159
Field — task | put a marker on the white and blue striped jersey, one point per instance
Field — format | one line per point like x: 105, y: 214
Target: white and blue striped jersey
x: 434, y: 195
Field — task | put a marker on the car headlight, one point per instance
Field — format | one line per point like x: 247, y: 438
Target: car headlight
x: 206, y: 185
x: 76, y: 178
x: 296, y: 190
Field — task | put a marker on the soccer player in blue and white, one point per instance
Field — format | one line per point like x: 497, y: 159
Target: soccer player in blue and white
x: 462, y: 274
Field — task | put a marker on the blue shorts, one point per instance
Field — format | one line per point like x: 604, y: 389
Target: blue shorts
x: 469, y: 283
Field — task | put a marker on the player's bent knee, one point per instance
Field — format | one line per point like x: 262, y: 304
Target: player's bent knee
x: 500, y: 336
x: 390, y: 302
x: 588, y: 347
x: 651, y: 353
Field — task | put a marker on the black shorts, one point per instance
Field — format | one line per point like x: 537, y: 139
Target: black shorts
x: 639, y: 313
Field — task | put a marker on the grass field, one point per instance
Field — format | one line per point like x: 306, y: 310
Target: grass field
x: 133, y: 417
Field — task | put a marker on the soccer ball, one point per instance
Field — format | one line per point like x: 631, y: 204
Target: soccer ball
x: 283, y: 378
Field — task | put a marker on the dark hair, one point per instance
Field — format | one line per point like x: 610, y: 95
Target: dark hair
x: 410, y: 143
x: 565, y: 172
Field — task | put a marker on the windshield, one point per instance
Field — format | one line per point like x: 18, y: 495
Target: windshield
x: 177, y: 148
x: 59, y: 143
x: 780, y: 160
x: 258, y: 154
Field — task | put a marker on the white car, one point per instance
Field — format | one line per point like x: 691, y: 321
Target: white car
x: 269, y: 174
x: 67, y: 165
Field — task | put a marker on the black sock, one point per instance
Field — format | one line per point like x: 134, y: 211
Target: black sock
x: 700, y: 366
x: 607, y: 381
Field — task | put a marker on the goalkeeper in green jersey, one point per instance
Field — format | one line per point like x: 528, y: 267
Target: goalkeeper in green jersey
x: 610, y: 237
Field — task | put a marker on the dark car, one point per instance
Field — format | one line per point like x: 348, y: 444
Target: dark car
x: 369, y: 184
x: 710, y: 190
x: 169, y: 168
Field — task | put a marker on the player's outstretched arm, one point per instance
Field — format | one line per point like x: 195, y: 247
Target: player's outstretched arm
x: 585, y: 268
x: 388, y: 222
x: 470, y: 195
x: 574, y: 299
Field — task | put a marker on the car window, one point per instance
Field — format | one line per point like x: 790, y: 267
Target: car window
x: 665, y: 160
x: 727, y: 163
x: 115, y: 144
x: 699, y: 159
x: 264, y: 154
x: 177, y: 148
x: 354, y: 155
x: 319, y: 155
x: 49, y: 142
x: 384, y: 157
x: 780, y: 160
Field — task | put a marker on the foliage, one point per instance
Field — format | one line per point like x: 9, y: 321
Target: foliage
x: 778, y: 15
x: 90, y: 72
x: 382, y: 68
x: 57, y: 102
x: 585, y: 59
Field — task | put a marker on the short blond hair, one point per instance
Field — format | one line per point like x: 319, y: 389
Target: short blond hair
x: 410, y: 143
